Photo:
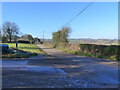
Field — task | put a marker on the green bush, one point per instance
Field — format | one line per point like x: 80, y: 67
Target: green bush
x: 60, y: 38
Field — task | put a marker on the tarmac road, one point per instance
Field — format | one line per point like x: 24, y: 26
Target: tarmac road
x: 63, y: 71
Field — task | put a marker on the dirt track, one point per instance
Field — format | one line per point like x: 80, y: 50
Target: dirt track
x: 65, y: 70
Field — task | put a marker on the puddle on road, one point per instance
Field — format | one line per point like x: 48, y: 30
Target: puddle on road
x: 22, y: 66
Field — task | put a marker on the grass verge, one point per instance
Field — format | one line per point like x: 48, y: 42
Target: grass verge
x: 19, y: 55
x: 24, y: 50
x: 87, y: 54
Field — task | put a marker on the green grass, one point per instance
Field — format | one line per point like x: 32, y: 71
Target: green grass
x: 86, y: 54
x: 23, y: 50
x: 78, y: 53
x: 25, y: 47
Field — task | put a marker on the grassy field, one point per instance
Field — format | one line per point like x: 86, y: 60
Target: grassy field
x: 24, y: 51
x: 25, y: 47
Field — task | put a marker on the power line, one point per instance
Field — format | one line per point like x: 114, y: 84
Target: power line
x: 79, y: 13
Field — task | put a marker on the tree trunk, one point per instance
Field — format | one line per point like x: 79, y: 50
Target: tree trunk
x: 10, y: 37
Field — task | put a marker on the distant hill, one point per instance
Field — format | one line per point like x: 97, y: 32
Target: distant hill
x: 95, y: 41
x: 90, y: 41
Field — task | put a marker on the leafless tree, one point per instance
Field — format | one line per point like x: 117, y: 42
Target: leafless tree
x: 10, y: 29
x: 0, y: 34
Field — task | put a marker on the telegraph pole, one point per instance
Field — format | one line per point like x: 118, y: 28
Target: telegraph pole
x: 43, y: 34
x: 37, y: 39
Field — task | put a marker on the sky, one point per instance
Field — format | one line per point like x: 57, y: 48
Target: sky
x: 99, y: 21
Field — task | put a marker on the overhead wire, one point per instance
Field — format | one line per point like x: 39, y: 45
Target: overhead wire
x: 79, y: 13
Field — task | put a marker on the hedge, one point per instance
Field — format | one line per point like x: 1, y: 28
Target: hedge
x: 22, y: 41
x: 111, y: 51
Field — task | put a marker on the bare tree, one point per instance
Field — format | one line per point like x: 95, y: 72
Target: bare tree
x: 0, y: 34
x: 10, y: 29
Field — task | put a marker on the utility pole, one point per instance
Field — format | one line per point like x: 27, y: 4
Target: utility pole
x: 37, y: 38
x: 43, y: 34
